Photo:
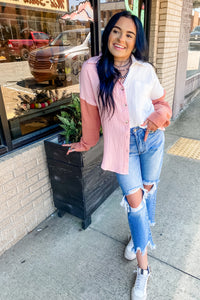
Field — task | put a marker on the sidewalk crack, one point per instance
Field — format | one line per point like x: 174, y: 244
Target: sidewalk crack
x: 172, y: 266
x: 150, y: 255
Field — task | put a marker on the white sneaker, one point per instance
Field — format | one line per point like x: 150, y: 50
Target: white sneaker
x: 139, y: 291
x: 129, y: 253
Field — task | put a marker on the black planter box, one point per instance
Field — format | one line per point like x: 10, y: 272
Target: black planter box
x: 79, y: 184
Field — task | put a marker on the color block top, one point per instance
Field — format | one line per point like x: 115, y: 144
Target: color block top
x: 141, y: 97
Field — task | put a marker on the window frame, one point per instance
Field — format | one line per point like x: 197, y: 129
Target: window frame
x: 8, y: 144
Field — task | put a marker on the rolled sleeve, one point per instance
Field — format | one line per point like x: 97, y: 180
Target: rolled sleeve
x: 89, y: 110
x: 90, y: 124
x: 162, y: 112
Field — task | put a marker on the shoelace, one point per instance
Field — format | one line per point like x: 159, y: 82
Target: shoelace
x: 141, y: 280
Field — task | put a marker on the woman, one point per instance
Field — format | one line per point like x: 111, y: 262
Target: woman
x: 121, y: 92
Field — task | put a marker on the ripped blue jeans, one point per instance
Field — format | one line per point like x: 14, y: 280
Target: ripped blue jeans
x: 145, y: 163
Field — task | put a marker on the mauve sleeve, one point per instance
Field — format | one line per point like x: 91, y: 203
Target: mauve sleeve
x: 89, y: 110
x: 90, y: 125
x: 162, y: 112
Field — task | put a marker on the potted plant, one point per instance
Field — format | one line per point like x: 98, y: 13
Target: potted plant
x: 71, y: 120
x: 33, y: 105
x: 79, y: 184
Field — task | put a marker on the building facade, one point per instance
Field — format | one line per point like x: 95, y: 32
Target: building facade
x: 37, y: 69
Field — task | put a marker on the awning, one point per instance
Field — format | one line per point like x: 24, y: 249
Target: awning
x: 84, y: 13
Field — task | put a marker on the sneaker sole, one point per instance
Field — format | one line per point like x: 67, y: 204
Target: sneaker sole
x: 129, y: 255
x: 133, y: 297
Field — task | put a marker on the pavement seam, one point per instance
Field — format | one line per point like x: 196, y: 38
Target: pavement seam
x: 158, y: 259
x: 108, y: 236
x: 183, y: 136
x: 178, y: 269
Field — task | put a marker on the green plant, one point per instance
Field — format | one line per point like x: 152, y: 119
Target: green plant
x: 71, y: 120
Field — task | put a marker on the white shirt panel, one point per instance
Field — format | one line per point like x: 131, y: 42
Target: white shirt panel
x: 141, y: 87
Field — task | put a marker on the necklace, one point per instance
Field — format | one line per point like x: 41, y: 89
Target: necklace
x: 122, y: 70
x: 123, y: 77
x: 126, y: 64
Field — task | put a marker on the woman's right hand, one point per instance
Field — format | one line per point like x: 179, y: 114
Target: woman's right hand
x: 78, y: 147
x: 151, y: 127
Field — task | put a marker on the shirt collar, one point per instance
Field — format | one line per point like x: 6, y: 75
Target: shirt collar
x: 135, y: 61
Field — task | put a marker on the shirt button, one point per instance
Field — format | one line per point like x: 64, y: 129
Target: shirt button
x: 122, y: 88
x: 126, y: 122
x: 125, y: 104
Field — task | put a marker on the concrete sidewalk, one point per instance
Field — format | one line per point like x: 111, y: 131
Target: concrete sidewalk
x: 59, y: 260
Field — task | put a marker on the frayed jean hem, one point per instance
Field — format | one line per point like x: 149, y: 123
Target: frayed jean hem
x: 152, y: 246
x: 139, y: 225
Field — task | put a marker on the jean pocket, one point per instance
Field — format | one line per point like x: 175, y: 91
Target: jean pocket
x: 155, y: 139
x: 152, y: 132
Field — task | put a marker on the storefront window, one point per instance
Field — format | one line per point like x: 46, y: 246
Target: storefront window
x: 193, y: 66
x: 137, y: 7
x: 42, y: 49
x: 108, y: 9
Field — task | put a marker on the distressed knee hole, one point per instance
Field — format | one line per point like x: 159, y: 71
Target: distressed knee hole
x: 124, y: 203
x: 138, y: 208
x: 150, y: 188
x: 128, y: 208
x: 131, y: 192
x: 134, y: 198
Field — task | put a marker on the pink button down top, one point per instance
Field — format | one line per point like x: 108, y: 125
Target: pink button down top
x: 116, y: 130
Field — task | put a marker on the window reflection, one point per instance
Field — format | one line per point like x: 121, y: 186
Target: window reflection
x: 193, y: 65
x: 41, y: 49
x: 40, y: 36
x: 111, y: 7
x: 62, y: 59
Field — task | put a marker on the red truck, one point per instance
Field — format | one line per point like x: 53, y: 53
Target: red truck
x: 20, y: 48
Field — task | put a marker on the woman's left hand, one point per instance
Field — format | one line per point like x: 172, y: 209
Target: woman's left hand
x: 78, y: 147
x: 150, y: 127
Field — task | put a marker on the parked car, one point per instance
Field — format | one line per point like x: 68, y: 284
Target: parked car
x: 62, y: 58
x: 20, y: 48
x: 194, y: 41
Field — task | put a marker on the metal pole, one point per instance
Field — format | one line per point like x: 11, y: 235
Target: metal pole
x: 6, y: 137
x: 96, y: 26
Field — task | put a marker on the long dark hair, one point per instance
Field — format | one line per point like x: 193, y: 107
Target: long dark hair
x: 108, y: 74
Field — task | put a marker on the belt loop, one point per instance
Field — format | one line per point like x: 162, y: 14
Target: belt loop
x: 134, y: 129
